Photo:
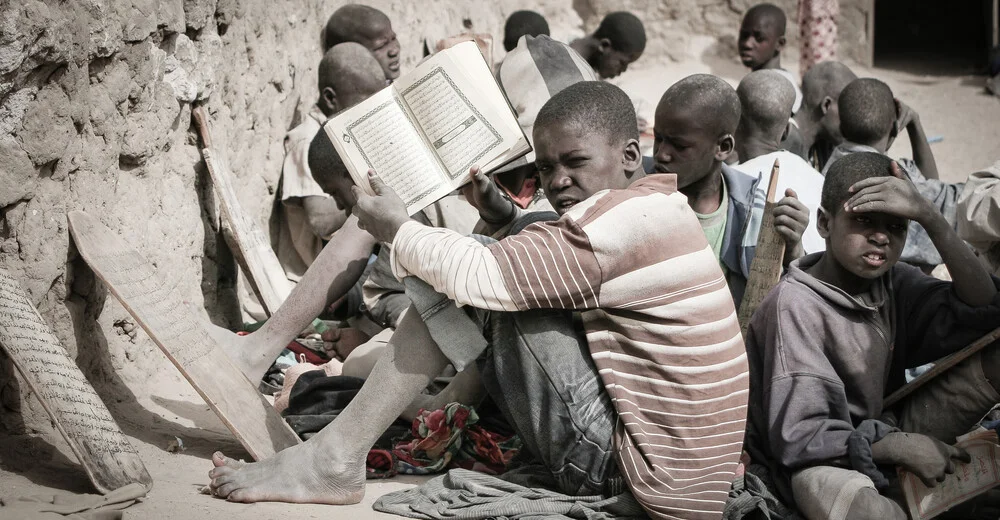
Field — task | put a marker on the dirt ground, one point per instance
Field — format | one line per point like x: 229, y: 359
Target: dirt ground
x: 953, y: 107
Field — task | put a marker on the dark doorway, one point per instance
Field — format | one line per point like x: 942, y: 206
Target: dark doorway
x: 933, y: 36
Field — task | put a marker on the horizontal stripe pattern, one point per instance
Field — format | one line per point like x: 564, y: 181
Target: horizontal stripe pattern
x: 659, y: 321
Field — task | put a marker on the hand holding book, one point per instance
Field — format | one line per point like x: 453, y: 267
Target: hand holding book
x: 382, y: 213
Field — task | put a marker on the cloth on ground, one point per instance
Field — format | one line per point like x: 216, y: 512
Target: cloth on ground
x: 61, y: 506
x: 468, y: 495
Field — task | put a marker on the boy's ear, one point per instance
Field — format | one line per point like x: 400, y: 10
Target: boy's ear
x: 605, y: 44
x: 781, y: 43
x: 724, y: 147
x: 329, y: 98
x: 825, y: 105
x: 631, y: 156
x: 823, y: 219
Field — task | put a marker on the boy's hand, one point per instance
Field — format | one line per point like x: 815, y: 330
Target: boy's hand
x: 791, y: 217
x: 485, y: 196
x: 894, y: 195
x: 926, y: 457
x: 381, y: 214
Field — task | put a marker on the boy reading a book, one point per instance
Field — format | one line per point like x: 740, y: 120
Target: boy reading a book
x: 834, y: 338
x: 586, y: 403
x: 617, y: 42
x: 869, y: 121
x: 761, y: 40
x: 369, y: 27
x: 693, y: 136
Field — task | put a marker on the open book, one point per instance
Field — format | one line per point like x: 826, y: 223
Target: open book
x: 968, y: 481
x: 423, y: 133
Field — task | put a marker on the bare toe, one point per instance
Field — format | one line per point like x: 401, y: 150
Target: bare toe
x: 225, y: 490
x: 221, y: 461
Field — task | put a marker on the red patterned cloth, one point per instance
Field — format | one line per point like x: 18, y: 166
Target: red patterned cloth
x: 817, y: 32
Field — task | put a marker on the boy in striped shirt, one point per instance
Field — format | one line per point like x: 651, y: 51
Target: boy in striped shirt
x: 659, y: 331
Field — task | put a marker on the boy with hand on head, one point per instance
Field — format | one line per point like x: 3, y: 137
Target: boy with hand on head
x: 869, y: 121
x: 761, y: 40
x: 818, y: 120
x: 369, y: 27
x: 836, y: 335
x: 523, y: 23
x: 348, y: 74
x: 695, y: 122
x: 584, y: 402
x: 765, y: 99
x: 617, y: 42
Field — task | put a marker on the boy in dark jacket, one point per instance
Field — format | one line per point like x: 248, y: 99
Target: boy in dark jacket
x: 835, y: 336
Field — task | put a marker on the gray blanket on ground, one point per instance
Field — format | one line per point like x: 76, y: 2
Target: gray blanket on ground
x: 467, y: 495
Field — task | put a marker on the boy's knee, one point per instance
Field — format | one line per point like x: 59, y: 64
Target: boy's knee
x: 868, y: 504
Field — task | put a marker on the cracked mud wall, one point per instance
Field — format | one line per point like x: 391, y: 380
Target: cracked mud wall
x: 95, y: 115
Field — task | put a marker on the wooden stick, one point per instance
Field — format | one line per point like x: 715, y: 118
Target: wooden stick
x: 765, y: 270
x: 253, y: 249
x: 942, y: 366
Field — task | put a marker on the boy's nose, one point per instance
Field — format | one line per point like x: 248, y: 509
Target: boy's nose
x: 879, y: 237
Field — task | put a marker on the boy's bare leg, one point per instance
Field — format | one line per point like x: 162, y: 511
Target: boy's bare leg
x: 331, y: 276
x: 329, y: 468
x: 465, y: 388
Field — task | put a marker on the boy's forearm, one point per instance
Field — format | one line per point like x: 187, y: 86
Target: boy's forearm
x: 972, y: 283
x: 922, y: 154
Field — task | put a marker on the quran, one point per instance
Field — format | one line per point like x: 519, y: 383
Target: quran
x: 423, y: 133
x: 969, y: 480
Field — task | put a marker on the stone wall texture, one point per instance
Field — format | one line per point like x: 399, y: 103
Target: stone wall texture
x: 95, y: 115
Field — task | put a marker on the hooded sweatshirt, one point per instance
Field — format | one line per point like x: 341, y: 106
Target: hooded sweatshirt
x: 822, y: 360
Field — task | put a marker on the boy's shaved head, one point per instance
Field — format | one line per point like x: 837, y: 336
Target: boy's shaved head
x: 352, y: 72
x: 766, y: 99
x: 824, y: 79
x: 709, y: 97
x: 624, y: 30
x: 847, y: 171
x: 768, y: 13
x: 596, y: 105
x: 352, y: 22
x: 867, y: 111
x: 522, y: 23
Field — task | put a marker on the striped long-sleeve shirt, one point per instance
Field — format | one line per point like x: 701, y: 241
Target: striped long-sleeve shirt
x: 658, y: 317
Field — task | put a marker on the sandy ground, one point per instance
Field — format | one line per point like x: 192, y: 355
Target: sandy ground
x: 953, y: 107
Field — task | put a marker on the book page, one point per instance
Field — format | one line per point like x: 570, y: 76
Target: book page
x: 464, y: 116
x: 968, y: 481
x: 379, y: 134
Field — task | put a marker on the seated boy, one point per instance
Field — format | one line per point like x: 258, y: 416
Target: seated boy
x: 588, y: 405
x: 765, y: 99
x: 617, y: 42
x: 347, y: 75
x: 835, y: 336
x: 818, y: 120
x: 761, y: 40
x: 978, y: 215
x: 869, y: 120
x: 695, y: 122
x: 369, y: 27
x: 523, y: 23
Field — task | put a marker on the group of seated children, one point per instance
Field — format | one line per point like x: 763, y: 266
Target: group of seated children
x: 591, y: 293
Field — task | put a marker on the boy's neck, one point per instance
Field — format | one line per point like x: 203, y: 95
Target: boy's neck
x: 705, y: 195
x: 586, y: 47
x: 773, y: 63
x: 828, y: 270
x: 808, y: 127
x: 752, y: 146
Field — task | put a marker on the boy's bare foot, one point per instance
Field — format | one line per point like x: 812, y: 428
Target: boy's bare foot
x: 302, y: 474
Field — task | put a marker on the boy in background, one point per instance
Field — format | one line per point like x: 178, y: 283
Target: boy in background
x: 617, y: 42
x: 523, y: 23
x: 761, y: 40
x: 369, y: 27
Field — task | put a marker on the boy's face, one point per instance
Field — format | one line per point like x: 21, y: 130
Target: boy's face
x: 574, y: 163
x: 867, y: 245
x: 338, y: 185
x: 381, y: 40
x: 611, y: 63
x: 758, y: 41
x: 684, y: 144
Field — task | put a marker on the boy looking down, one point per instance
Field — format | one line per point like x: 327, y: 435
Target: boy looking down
x: 693, y: 136
x: 617, y: 42
x: 835, y: 336
x: 593, y: 419
x: 760, y: 42
x: 369, y: 27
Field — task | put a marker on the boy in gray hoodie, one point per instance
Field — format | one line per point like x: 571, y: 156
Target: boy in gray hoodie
x: 835, y: 336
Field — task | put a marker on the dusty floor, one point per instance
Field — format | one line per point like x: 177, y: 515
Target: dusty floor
x: 953, y: 107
